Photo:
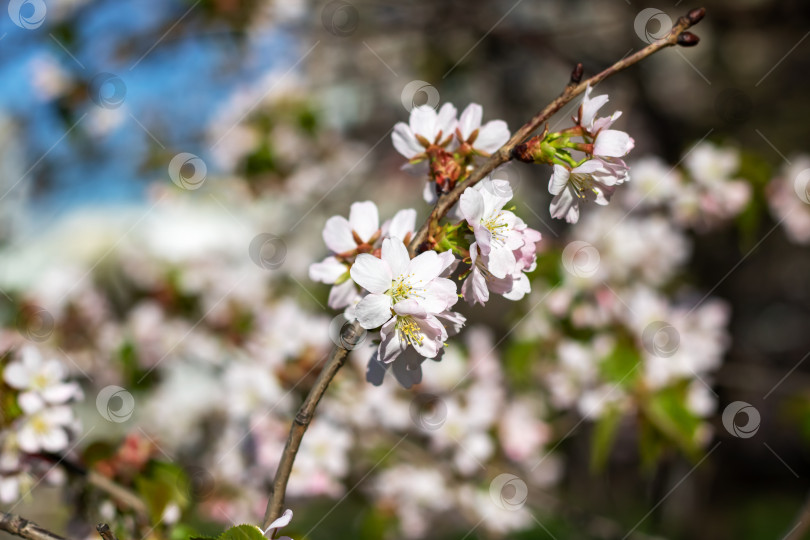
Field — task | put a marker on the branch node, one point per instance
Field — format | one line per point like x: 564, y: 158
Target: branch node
x: 576, y: 74
x: 105, y: 531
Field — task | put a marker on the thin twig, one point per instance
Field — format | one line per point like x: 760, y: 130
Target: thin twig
x: 573, y: 89
x: 420, y: 242
x: 105, y: 532
x: 125, y: 497
x: 23, y: 528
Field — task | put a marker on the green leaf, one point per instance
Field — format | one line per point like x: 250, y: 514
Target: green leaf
x: 619, y: 365
x: 604, y: 436
x: 243, y: 532
x: 666, y: 409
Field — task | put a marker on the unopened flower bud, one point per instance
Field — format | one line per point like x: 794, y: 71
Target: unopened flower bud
x: 688, y: 39
x: 576, y: 74
x: 696, y: 15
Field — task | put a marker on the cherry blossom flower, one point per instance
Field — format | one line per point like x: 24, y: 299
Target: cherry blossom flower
x: 281, y: 522
x: 32, y: 374
x: 425, y: 127
x: 406, y: 295
x: 495, y: 229
x: 481, y: 139
x: 42, y: 428
x: 591, y: 180
x: 361, y: 233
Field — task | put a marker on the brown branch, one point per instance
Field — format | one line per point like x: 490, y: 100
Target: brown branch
x: 351, y: 336
x: 125, y: 497
x: 352, y: 333
x: 23, y: 528
x: 105, y: 532
x: 677, y: 35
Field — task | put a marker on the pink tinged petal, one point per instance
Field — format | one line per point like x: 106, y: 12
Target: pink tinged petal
x: 373, y: 310
x: 429, y: 192
x: 591, y: 106
x: 54, y: 440
x: 559, y: 179
x: 612, y: 143
x: 31, y: 357
x: 371, y: 273
x: 455, y: 320
x: 17, y: 376
x: 446, y: 120
x: 447, y: 261
x: 391, y: 346
x: 405, y: 142
x: 483, y: 238
x: 9, y: 489
x: 364, y: 219
x: 30, y: 402
x: 501, y: 262
x: 520, y: 288
x: 492, y: 136
x: 403, y: 223
x: 396, y: 255
x: 343, y: 295
x: 327, y: 271
x: 591, y: 166
x: 337, y: 234
x: 424, y: 268
x: 441, y: 295
x: 433, y: 335
x: 475, y: 288
x: 27, y: 440
x: 60, y: 393
x: 470, y: 120
x: 562, y: 203
x: 423, y: 122
x: 410, y: 307
x: 283, y: 521
x: 605, y: 122
x: 471, y: 205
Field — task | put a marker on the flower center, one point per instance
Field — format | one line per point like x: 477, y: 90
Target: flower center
x: 496, y: 226
x: 409, y: 331
x: 582, y: 183
x: 401, y: 289
x: 40, y: 381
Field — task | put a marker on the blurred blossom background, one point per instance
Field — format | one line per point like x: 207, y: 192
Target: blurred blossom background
x: 166, y: 169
